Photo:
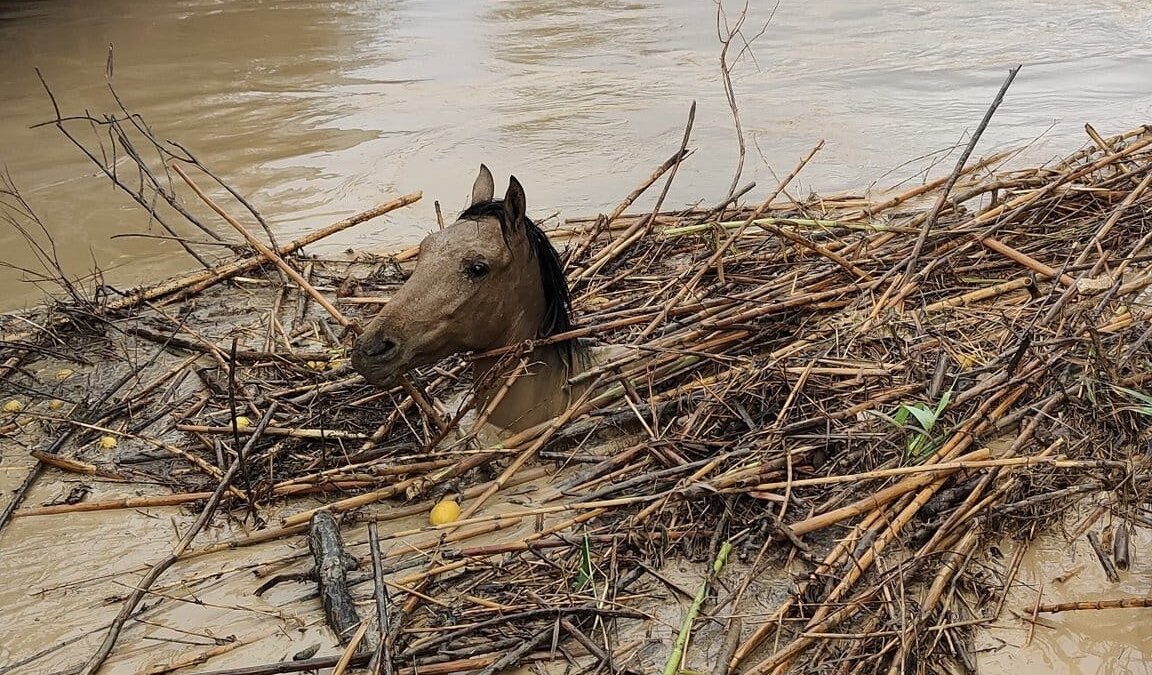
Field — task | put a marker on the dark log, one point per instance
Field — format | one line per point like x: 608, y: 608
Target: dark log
x: 332, y: 566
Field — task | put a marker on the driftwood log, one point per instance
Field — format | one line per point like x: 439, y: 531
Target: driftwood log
x: 332, y: 566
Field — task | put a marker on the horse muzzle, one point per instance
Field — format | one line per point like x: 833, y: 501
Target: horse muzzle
x: 376, y: 358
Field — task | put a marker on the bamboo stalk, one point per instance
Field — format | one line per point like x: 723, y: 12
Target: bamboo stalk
x: 980, y: 294
x: 1027, y: 261
x: 112, y: 504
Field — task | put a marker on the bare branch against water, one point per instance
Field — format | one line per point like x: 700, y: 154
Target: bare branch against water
x: 17, y: 213
x: 727, y: 34
x: 123, y: 137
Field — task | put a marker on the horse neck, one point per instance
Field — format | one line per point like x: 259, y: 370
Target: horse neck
x: 540, y: 393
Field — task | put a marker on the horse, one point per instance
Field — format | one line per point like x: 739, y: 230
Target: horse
x: 491, y: 279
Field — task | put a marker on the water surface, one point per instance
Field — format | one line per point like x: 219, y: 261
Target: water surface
x: 317, y: 110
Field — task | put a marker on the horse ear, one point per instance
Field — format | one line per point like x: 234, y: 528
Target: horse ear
x: 514, y: 204
x: 484, y: 188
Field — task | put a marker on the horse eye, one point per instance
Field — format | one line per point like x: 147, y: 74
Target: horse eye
x: 476, y: 269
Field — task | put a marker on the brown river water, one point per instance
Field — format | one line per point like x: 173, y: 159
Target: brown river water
x: 317, y: 110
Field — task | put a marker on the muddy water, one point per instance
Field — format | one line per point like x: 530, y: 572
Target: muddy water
x: 316, y: 110
x: 1114, y: 641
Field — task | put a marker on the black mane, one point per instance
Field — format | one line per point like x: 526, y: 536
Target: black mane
x: 557, y: 303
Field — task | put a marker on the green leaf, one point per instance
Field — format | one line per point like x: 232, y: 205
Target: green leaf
x: 1140, y: 396
x: 585, y: 575
x: 925, y: 417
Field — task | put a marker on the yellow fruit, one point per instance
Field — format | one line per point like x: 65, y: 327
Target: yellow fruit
x: 107, y: 442
x: 446, y: 511
x: 13, y: 406
x: 243, y: 422
x: 55, y: 404
x: 64, y: 374
x: 317, y: 365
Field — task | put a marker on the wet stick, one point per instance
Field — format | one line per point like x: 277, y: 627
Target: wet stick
x: 71, y: 466
x: 332, y: 564
x: 930, y: 221
x: 93, y: 665
x: 398, y: 512
x: 319, y: 434
x: 644, y: 225
x: 1103, y: 558
x: 425, y: 646
x: 268, y: 253
x: 197, y: 658
x: 382, y: 659
x: 112, y: 504
x: 1118, y: 603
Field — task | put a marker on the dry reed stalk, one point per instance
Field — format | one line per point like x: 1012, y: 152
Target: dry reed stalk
x: 607, y: 223
x: 111, y: 504
x: 981, y: 294
x: 1026, y: 261
x: 905, y: 470
x: 1118, y: 603
x: 198, y: 282
x: 317, y: 434
x: 268, y: 253
x: 722, y: 249
x: 350, y: 650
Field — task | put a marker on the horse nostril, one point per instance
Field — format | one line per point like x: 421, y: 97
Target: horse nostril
x: 381, y: 348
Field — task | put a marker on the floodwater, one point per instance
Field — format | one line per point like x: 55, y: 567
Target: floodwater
x: 317, y: 110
